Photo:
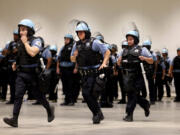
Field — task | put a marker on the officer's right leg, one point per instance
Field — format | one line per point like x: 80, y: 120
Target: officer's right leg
x: 20, y: 91
x: 131, y: 104
x: 177, y: 87
x: 87, y: 90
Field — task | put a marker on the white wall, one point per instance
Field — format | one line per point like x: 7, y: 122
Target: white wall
x: 157, y: 18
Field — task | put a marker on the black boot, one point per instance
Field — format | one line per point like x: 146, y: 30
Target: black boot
x: 11, y: 122
x: 122, y: 101
x: 98, y: 117
x: 128, y: 118
x: 147, y: 110
x: 10, y: 102
x: 51, y: 115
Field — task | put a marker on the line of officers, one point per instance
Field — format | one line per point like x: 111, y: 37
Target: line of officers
x: 89, y: 64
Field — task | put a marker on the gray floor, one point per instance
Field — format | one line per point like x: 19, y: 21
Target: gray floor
x: 164, y: 120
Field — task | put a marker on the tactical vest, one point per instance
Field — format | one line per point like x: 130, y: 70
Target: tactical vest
x: 66, y: 53
x: 23, y: 57
x: 176, y: 63
x: 149, y: 68
x: 167, y: 65
x: 130, y: 58
x: 159, y: 67
x: 54, y: 62
x: 86, y: 55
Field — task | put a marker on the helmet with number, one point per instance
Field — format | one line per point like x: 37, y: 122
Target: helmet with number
x: 53, y: 48
x: 29, y: 24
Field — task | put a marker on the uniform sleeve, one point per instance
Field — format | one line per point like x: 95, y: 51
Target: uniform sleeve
x: 99, y: 47
x: 172, y: 62
x: 154, y: 57
x: 163, y: 66
x: 46, y: 54
x: 120, y: 54
x: 73, y: 49
x: 169, y: 61
x: 59, y: 55
x: 6, y: 46
x: 38, y: 43
x: 145, y: 52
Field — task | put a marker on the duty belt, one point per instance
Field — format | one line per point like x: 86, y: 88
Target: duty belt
x: 88, y: 72
x: 93, y: 72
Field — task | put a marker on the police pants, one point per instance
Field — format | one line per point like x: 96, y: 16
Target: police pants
x: 87, y: 92
x: 134, y: 96
x: 53, y: 92
x: 151, y: 86
x: 120, y: 79
x: 166, y: 82
x: 159, y: 91
x: 177, y: 85
x: 11, y: 80
x: 23, y: 81
x: 4, y: 83
x: 107, y: 95
x: 67, y: 79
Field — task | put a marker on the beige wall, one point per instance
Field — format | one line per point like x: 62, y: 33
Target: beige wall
x: 157, y: 18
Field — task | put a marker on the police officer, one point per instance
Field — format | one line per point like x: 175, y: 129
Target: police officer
x: 130, y: 59
x: 175, y: 71
x: 66, y: 67
x: 53, y: 92
x: 167, y: 79
x: 10, y: 52
x: 120, y: 77
x: 159, y: 77
x: 87, y: 52
x: 150, y: 72
x: 27, y: 62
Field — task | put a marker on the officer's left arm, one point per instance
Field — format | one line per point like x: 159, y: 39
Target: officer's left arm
x: 146, y: 56
x: 31, y: 50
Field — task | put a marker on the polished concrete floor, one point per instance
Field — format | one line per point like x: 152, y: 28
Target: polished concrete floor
x: 164, y: 120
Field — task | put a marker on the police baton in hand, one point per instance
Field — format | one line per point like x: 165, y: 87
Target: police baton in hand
x: 144, y: 76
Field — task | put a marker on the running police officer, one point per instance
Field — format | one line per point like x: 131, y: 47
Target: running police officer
x: 89, y: 53
x: 27, y: 62
x: 130, y: 59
